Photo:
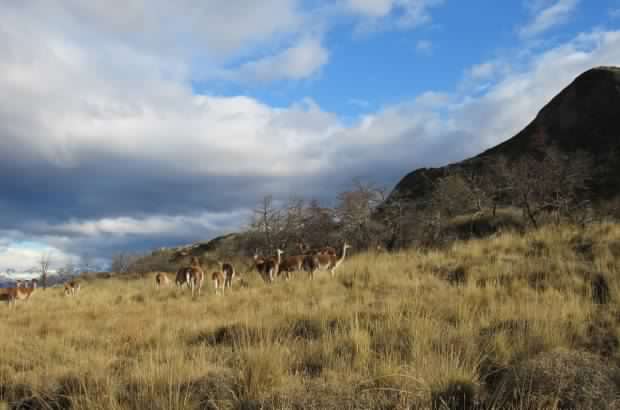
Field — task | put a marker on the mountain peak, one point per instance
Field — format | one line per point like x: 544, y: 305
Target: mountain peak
x: 583, y: 116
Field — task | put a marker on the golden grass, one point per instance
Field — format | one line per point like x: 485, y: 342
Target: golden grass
x: 398, y: 330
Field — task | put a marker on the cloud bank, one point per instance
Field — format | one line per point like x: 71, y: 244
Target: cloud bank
x: 105, y: 145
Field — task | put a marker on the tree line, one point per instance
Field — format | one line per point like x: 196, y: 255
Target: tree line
x: 547, y: 186
x: 474, y: 198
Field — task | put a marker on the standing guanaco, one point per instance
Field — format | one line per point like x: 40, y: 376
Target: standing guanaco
x: 18, y: 293
x: 196, y: 276
x: 229, y: 273
x: 72, y: 288
x: 182, y: 277
x: 219, y: 281
x: 325, y: 261
x: 161, y: 279
x: 272, y: 265
x: 260, y: 265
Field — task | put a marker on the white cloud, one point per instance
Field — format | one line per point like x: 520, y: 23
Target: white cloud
x: 62, y: 103
x: 199, y: 37
x: 22, y: 258
x: 297, y: 62
x: 517, y: 96
x: 548, y: 17
x: 138, y: 107
x: 483, y: 70
x: 219, y: 28
x: 479, y: 78
x: 432, y: 99
x: 372, y: 8
x: 170, y: 225
x: 416, y: 12
x: 424, y: 46
x: 407, y: 14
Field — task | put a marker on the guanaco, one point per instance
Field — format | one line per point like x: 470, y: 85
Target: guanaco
x: 229, y: 273
x: 219, y: 281
x: 161, y: 279
x: 272, y: 265
x: 196, y: 276
x: 260, y: 265
x: 72, y: 288
x: 18, y: 293
x: 325, y: 261
x: 182, y: 277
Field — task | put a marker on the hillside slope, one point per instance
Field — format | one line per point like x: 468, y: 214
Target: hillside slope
x: 511, y: 322
x: 584, y: 116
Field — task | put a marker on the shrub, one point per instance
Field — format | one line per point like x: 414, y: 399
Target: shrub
x: 454, y: 395
x: 262, y: 372
x: 600, y: 289
x: 564, y: 379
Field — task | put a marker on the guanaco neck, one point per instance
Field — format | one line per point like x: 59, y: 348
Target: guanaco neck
x: 344, y: 253
x: 279, y: 257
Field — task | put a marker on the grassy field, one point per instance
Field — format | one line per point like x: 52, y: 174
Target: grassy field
x: 523, y: 322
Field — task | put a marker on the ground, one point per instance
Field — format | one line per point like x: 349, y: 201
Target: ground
x: 468, y: 326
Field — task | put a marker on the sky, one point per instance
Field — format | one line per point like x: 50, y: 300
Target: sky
x: 131, y: 125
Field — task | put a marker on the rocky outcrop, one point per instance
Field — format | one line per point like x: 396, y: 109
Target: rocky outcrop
x: 584, y: 116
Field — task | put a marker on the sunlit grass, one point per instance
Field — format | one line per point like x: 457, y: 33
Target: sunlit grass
x: 409, y: 329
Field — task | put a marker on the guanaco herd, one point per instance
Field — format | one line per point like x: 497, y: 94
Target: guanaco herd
x: 309, y: 260
x: 193, y: 276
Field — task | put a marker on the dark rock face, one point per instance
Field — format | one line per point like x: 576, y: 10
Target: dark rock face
x: 584, y: 116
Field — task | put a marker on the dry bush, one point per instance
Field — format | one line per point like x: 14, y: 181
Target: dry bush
x: 565, y: 380
x: 455, y: 395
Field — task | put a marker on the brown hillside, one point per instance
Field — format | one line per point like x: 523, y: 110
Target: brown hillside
x: 584, y: 116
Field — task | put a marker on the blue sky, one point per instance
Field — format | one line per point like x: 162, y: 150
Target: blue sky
x: 132, y: 125
x: 385, y: 65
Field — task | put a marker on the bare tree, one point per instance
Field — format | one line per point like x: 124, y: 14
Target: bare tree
x: 121, y: 262
x: 553, y: 184
x: 496, y: 182
x: 44, y: 264
x: 479, y: 198
x: 398, y: 216
x: 319, y: 226
x: 294, y: 219
x: 267, y: 221
x: 567, y: 179
x: 355, y: 213
x: 68, y: 270
x: 452, y: 196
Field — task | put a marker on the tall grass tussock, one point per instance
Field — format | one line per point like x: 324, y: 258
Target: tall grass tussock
x: 517, y: 321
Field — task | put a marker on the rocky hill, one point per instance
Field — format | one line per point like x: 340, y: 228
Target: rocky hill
x: 208, y: 252
x: 584, y: 116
